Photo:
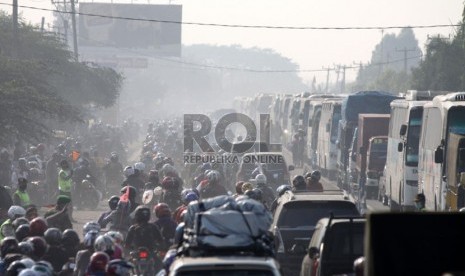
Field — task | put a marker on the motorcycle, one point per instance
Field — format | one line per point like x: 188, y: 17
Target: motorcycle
x: 86, y: 195
x: 145, y: 262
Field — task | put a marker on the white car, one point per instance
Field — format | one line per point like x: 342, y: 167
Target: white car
x: 225, y: 265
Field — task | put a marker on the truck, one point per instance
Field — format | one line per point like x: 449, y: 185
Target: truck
x: 369, y: 125
x: 363, y: 102
x: 376, y: 159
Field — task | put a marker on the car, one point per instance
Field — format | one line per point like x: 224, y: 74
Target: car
x: 295, y: 219
x: 336, y: 243
x: 273, y: 165
x: 225, y: 265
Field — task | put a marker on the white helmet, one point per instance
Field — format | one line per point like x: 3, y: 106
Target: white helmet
x: 158, y: 191
x: 139, y: 166
x: 104, y: 243
x: 128, y: 171
x: 16, y: 211
x: 90, y: 226
x: 116, y: 236
x: 213, y: 176
x: 260, y: 178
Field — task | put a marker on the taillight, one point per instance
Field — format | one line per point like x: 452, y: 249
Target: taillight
x: 143, y: 254
x: 277, y: 235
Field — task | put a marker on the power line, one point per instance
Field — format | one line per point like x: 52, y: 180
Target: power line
x: 239, y: 25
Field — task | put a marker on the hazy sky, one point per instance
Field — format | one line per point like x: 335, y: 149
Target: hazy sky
x: 311, y: 49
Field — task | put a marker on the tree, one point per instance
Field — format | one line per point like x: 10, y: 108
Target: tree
x: 40, y: 84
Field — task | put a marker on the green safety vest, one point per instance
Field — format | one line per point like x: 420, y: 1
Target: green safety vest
x: 6, y: 228
x: 24, y: 197
x: 64, y: 185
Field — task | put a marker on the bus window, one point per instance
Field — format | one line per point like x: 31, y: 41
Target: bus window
x: 413, y: 137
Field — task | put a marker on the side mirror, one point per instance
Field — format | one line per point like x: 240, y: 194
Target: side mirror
x: 327, y: 127
x: 462, y: 154
x: 400, y: 147
x: 438, y: 155
x: 403, y: 130
x: 290, y: 167
x: 313, y: 252
x: 297, y: 249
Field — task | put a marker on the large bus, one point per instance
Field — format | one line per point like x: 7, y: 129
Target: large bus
x: 327, y: 136
x: 443, y: 115
x: 401, y: 169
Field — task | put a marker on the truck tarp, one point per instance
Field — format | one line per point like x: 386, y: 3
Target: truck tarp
x: 366, y: 102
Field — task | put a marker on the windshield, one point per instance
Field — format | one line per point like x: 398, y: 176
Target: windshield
x: 413, y: 137
x: 227, y: 272
x: 335, y: 123
x: 456, y: 120
x: 306, y: 214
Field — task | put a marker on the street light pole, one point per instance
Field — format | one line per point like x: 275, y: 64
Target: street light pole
x: 73, y: 21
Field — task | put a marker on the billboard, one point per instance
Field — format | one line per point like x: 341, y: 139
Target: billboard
x: 127, y: 26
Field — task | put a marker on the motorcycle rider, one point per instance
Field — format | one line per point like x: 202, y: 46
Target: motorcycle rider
x: 7, y: 229
x: 21, y: 197
x: 188, y: 197
x: 112, y: 203
x: 171, y: 194
x: 98, y: 263
x: 58, y: 217
x: 213, y: 187
x: 139, y: 168
x: 142, y: 233
x: 83, y: 256
x: 132, y: 179
x: 238, y: 189
x: 55, y: 255
x: 267, y: 193
x: 113, y: 172
x: 81, y: 174
x: 165, y: 223
x: 313, y: 181
x: 70, y: 243
x: 298, y: 184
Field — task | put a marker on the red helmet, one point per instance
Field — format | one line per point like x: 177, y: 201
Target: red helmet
x: 39, y: 246
x: 41, y: 147
x: 37, y: 227
x: 168, y: 183
x: 162, y: 210
x: 98, y: 262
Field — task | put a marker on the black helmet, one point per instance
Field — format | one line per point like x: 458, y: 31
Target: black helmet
x: 254, y: 194
x: 15, y: 267
x: 70, y: 238
x: 282, y: 189
x: 113, y: 202
x: 22, y: 232
x: 258, y: 194
x: 298, y: 181
x: 142, y: 214
x: 25, y: 248
x: 39, y: 246
x: 9, y: 245
x: 53, y: 236
x: 315, y: 176
x: 19, y: 221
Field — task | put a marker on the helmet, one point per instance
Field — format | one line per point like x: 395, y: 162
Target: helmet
x: 98, y: 262
x: 37, y: 227
x: 162, y: 210
x: 119, y: 267
x: 191, y: 196
x: 104, y: 243
x: 43, y: 268
x: 298, y: 181
x: 316, y: 176
x: 89, y: 226
x: 15, y: 212
x: 89, y: 238
x: 22, y: 232
x: 168, y: 182
x: 53, y: 236
x: 28, y: 262
x: 142, y: 214
x: 19, y: 221
x: 213, y: 176
x: 139, y: 166
x: 158, y: 191
x: 39, y: 246
x: 132, y: 191
x: 153, y: 175
x: 168, y: 169
x: 260, y: 179
x: 246, y: 186
x: 116, y: 236
x: 40, y: 147
x: 84, y: 162
x: 114, y: 157
x: 25, y: 248
x: 239, y: 187
x: 254, y: 194
x: 128, y: 171
x: 282, y: 189
x: 70, y: 238
x: 15, y: 267
x: 113, y: 202
x: 205, y: 167
x: 9, y: 245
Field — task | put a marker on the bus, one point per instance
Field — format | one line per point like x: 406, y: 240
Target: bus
x: 327, y: 136
x: 401, y: 169
x: 443, y: 115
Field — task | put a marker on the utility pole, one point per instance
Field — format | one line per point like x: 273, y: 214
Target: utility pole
x: 405, y: 50
x: 343, y: 81
x: 73, y: 21
x: 327, y: 80
x: 42, y: 24
x: 382, y: 54
x: 15, y: 29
